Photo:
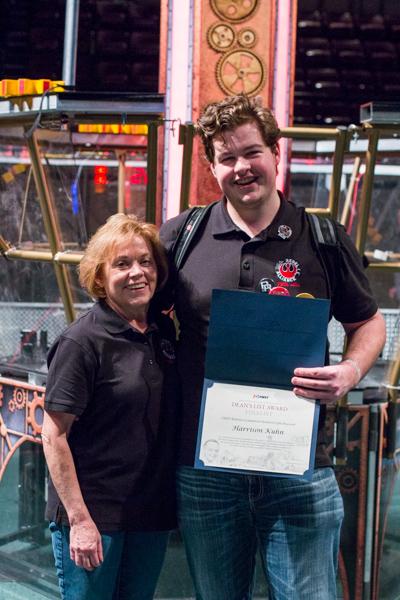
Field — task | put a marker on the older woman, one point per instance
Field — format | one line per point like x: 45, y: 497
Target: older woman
x: 108, y: 432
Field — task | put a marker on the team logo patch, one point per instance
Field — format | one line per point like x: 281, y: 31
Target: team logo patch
x: 265, y: 285
x: 284, y: 231
x: 287, y: 270
x: 279, y: 290
x: 168, y: 350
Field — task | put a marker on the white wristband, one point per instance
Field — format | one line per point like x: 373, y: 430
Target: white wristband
x: 355, y: 365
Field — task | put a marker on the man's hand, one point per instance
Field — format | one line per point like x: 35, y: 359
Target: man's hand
x: 327, y: 384
x: 85, y: 545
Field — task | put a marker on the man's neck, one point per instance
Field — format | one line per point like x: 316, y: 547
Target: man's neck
x: 254, y: 219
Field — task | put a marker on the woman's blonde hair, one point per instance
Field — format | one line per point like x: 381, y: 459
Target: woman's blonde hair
x: 117, y: 229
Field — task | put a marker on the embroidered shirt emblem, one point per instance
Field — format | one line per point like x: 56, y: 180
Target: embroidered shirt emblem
x: 167, y: 349
x: 287, y: 270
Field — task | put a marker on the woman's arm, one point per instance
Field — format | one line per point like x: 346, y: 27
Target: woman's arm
x: 85, y: 540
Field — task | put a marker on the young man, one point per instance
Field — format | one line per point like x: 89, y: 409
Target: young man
x: 256, y: 240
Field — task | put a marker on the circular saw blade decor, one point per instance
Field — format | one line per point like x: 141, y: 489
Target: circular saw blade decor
x: 221, y: 37
x: 240, y: 71
x: 247, y: 37
x: 234, y: 10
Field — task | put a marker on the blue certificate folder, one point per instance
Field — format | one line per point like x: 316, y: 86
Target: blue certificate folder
x: 258, y: 340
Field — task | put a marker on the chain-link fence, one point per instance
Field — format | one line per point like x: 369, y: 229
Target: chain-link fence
x: 28, y: 329
x: 391, y: 348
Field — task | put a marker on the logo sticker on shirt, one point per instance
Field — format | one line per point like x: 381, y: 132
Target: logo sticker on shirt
x: 287, y: 270
x: 168, y: 350
x: 284, y: 231
x: 265, y: 285
x: 279, y: 290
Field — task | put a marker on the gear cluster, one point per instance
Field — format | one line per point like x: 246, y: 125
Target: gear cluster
x: 239, y: 69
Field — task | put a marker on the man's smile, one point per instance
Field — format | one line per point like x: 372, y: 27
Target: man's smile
x: 244, y: 181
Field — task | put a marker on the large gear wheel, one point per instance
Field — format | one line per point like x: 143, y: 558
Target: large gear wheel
x: 247, y: 37
x: 221, y: 37
x: 234, y: 11
x: 36, y: 404
x: 240, y: 71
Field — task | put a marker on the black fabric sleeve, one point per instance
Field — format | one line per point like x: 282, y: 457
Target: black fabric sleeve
x: 352, y: 299
x: 71, y: 377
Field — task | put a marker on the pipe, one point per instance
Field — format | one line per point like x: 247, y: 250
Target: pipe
x: 70, y: 42
x: 151, y: 191
x: 186, y: 134
x: 51, y: 225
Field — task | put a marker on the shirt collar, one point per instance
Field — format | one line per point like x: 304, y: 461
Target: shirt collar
x: 222, y: 224
x: 112, y: 322
x: 286, y: 217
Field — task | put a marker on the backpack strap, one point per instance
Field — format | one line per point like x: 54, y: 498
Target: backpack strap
x: 186, y: 233
x: 324, y: 235
x: 323, y: 229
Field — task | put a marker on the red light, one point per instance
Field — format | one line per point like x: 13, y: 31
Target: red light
x: 138, y: 176
x: 100, y: 175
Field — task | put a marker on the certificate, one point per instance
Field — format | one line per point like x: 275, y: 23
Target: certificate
x: 250, y: 420
x: 257, y: 429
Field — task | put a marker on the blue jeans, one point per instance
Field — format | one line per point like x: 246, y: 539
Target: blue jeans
x: 130, y: 570
x: 295, y: 524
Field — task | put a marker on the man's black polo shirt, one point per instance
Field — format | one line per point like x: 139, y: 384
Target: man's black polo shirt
x: 225, y: 257
x: 123, y: 443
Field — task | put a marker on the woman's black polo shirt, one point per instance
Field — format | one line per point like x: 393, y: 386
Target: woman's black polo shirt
x: 225, y: 257
x: 121, y: 385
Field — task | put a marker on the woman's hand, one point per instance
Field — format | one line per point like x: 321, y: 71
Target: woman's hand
x: 86, y: 549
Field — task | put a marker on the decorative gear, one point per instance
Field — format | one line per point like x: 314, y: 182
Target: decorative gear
x: 1, y: 395
x: 11, y: 406
x: 221, y: 37
x: 36, y: 404
x: 240, y: 71
x: 347, y: 480
x: 247, y: 37
x: 20, y: 398
x: 234, y: 11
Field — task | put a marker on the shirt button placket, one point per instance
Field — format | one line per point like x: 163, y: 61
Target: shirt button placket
x: 246, y: 273
x: 149, y: 352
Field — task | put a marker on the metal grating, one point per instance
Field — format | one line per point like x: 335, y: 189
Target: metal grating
x: 391, y: 348
x: 30, y: 317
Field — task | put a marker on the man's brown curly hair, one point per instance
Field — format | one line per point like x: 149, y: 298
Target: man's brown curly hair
x: 218, y: 117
